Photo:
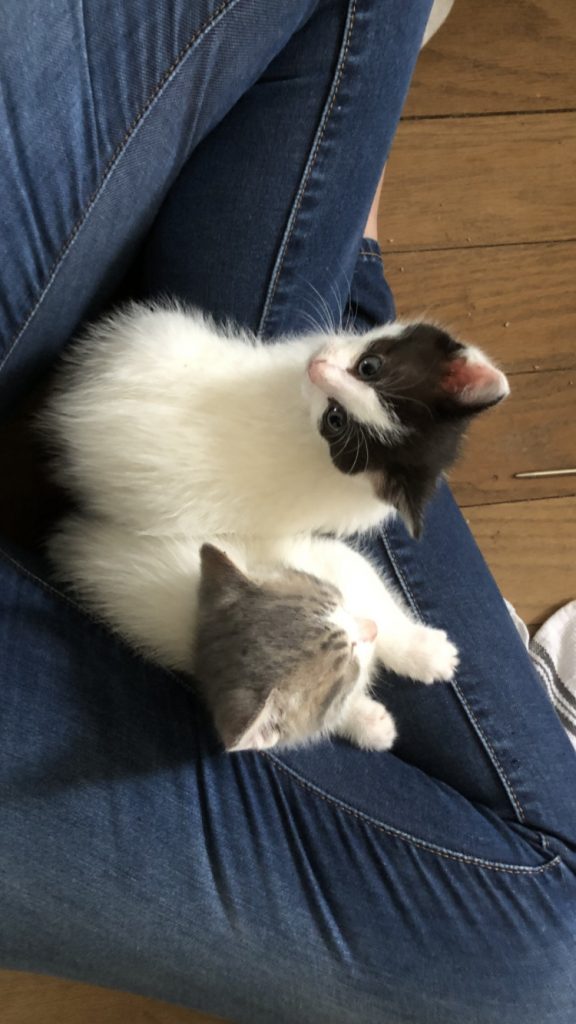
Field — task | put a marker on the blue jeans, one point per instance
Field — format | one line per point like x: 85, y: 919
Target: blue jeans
x: 227, y: 151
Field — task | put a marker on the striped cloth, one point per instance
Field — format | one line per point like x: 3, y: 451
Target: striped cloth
x: 553, y: 653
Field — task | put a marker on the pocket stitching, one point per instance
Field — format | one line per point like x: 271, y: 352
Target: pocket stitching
x: 406, y: 837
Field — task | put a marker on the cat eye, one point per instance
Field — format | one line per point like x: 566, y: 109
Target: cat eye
x: 335, y: 418
x: 369, y: 366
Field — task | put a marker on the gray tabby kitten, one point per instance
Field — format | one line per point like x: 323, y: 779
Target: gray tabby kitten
x: 271, y: 665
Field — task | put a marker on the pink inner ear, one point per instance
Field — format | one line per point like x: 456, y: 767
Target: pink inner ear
x: 478, y: 379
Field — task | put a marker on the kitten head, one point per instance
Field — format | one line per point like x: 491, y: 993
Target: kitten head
x: 395, y: 404
x: 275, y: 661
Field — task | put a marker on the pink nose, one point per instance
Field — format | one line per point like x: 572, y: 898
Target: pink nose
x: 367, y: 630
x: 316, y: 370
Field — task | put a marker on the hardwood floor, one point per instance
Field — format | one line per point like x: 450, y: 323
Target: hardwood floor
x: 478, y: 229
x: 478, y: 221
x: 34, y: 999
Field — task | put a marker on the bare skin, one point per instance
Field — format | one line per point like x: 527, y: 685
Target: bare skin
x: 371, y: 229
x: 440, y: 11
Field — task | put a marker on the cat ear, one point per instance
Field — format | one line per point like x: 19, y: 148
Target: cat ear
x: 260, y: 733
x: 467, y: 379
x: 472, y: 382
x: 218, y: 574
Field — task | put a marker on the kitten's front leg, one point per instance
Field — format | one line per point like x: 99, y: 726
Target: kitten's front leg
x: 403, y: 644
x: 412, y: 649
x: 368, y: 724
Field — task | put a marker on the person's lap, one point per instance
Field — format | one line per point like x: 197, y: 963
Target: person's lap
x: 323, y: 884
x: 433, y: 883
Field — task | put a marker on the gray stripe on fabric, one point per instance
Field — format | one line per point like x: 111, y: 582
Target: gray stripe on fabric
x: 558, y: 683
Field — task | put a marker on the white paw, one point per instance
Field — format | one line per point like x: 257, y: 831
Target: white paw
x: 432, y: 658
x: 370, y: 725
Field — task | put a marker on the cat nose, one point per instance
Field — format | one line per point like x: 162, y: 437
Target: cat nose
x: 326, y: 375
x: 316, y: 370
x: 367, y: 630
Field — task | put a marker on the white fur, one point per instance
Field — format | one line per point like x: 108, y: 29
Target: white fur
x: 151, y: 390
x: 176, y: 434
x: 495, y: 388
x: 146, y: 588
x: 328, y: 373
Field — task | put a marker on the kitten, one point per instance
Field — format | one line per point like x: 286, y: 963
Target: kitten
x: 283, y: 636
x: 259, y: 646
x: 167, y: 424
x: 173, y: 433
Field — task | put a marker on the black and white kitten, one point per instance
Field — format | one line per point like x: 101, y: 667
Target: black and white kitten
x: 169, y: 425
x: 172, y: 433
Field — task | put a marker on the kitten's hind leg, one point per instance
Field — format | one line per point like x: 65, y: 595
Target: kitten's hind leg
x: 368, y: 724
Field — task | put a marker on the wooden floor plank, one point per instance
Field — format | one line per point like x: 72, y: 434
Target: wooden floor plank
x: 35, y: 999
x: 480, y: 181
x: 516, y: 301
x: 498, y: 56
x: 535, y: 428
x: 530, y: 549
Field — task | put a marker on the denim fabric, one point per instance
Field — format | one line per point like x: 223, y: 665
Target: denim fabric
x: 101, y: 104
x: 432, y: 885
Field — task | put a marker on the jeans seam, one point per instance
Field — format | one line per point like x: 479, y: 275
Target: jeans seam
x: 401, y: 578
x: 87, y: 61
x: 24, y: 571
x: 340, y: 804
x: 80, y: 609
x: 506, y: 783
x: 120, y: 148
x: 311, y: 163
x: 406, y: 837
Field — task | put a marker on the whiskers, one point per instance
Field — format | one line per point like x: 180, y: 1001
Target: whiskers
x: 354, y: 436
x: 324, y: 317
x: 396, y: 385
x: 366, y: 451
x: 343, y: 446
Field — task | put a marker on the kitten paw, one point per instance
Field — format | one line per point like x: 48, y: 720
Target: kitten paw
x: 433, y: 658
x: 370, y: 725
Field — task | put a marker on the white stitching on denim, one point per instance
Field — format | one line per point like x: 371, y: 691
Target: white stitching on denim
x: 509, y: 789
x: 319, y: 138
x: 493, y: 755
x: 340, y: 804
x: 44, y: 584
x: 400, y: 574
x: 406, y: 837
x: 87, y: 62
x: 178, y: 60
x: 85, y: 612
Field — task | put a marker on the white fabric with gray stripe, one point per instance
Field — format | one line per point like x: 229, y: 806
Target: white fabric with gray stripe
x: 553, y: 653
